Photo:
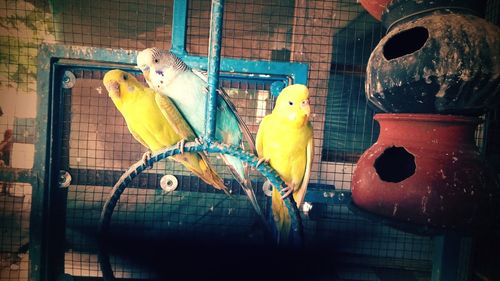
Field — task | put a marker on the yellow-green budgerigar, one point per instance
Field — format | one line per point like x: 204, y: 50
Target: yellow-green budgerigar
x: 155, y: 122
x: 187, y: 87
x: 285, y: 141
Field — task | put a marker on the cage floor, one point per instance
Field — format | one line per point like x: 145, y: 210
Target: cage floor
x: 185, y: 259
x: 85, y: 266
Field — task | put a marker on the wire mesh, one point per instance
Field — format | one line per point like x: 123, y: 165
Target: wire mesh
x: 22, y: 27
x: 334, y: 37
x: 112, y: 24
x: 252, y: 30
x: 491, y: 11
x: 268, y: 31
x: 15, y: 207
x: 97, y: 148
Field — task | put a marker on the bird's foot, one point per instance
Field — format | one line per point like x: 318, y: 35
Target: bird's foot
x: 145, y: 158
x: 261, y: 160
x: 199, y: 141
x: 180, y: 145
x: 287, y: 190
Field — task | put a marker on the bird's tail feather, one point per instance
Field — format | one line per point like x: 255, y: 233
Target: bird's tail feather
x: 237, y: 168
x: 281, y: 218
x: 198, y: 164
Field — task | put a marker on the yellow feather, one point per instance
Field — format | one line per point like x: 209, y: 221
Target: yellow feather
x: 148, y: 124
x: 285, y: 139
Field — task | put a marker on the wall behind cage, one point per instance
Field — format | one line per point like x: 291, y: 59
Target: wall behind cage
x: 335, y: 39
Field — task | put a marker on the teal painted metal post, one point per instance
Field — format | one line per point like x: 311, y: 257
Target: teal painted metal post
x: 179, y: 25
x: 446, y: 257
x: 214, y: 48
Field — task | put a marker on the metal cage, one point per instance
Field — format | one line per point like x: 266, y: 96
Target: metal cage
x: 70, y: 147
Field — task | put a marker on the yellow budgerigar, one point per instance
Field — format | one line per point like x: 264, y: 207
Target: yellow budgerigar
x: 155, y: 122
x: 285, y: 141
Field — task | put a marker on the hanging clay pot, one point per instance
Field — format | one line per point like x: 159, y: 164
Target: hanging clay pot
x: 439, y: 59
x: 426, y: 169
x: 375, y: 7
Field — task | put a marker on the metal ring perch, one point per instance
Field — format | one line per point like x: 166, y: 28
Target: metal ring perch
x: 212, y: 147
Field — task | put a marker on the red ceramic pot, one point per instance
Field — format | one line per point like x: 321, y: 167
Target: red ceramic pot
x: 425, y: 169
x: 375, y: 7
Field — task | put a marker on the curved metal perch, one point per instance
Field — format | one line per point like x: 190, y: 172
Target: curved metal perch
x: 212, y: 147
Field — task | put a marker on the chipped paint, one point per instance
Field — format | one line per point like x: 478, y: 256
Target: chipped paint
x: 395, y: 209
x: 423, y: 204
x: 438, y: 189
x: 214, y: 50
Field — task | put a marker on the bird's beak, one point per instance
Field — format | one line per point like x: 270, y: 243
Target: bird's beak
x: 113, y: 88
x: 145, y: 71
x: 306, y: 107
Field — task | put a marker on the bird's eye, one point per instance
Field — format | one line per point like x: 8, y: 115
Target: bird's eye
x: 125, y: 77
x: 290, y: 102
x: 156, y: 60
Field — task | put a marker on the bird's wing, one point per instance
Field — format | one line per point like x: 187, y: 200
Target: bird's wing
x: 174, y: 117
x: 244, y: 128
x: 197, y: 163
x: 301, y: 192
x: 137, y: 137
x: 259, y: 140
x: 225, y: 97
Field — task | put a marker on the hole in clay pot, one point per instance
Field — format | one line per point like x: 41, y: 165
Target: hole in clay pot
x: 405, y: 42
x: 395, y: 164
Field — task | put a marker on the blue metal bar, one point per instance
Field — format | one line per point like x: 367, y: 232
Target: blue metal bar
x: 214, y: 48
x: 179, y: 25
x: 55, y: 208
x: 446, y: 256
x: 37, y: 248
x: 326, y: 194
x: 48, y: 52
x: 297, y: 71
x: 45, y: 259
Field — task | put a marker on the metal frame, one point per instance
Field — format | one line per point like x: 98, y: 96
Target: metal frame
x: 48, y: 214
x: 297, y: 71
x: 47, y: 220
x: 214, y: 48
x: 445, y: 259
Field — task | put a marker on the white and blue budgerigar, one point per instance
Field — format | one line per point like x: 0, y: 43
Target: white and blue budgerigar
x: 168, y: 75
